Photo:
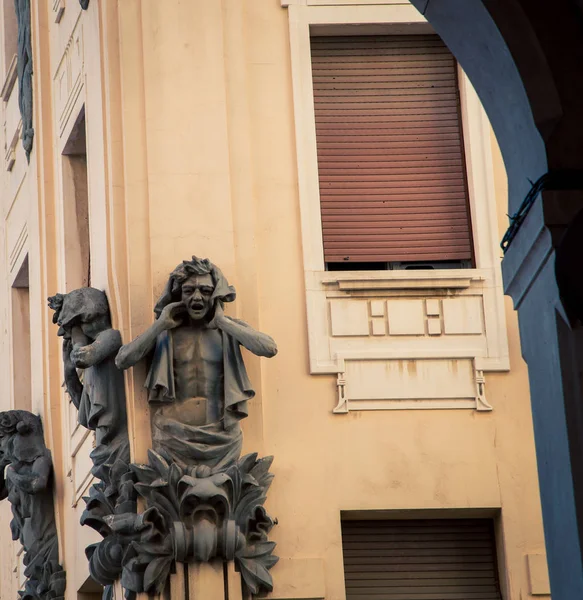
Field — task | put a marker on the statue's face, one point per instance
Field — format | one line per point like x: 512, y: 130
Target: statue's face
x: 196, y: 295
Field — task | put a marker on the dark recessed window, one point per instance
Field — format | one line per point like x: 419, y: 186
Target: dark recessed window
x: 440, y: 559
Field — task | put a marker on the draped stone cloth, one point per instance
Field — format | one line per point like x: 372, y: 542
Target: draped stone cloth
x: 215, y: 444
x: 102, y: 409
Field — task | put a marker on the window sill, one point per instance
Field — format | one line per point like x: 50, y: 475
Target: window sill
x: 402, y: 280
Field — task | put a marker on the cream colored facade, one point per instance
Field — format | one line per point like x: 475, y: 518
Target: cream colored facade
x: 200, y: 140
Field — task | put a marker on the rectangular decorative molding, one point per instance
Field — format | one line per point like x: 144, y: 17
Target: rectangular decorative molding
x: 81, y: 464
x: 11, y: 145
x: 404, y: 280
x: 81, y: 442
x: 69, y: 77
x: 58, y: 10
x: 16, y: 252
x: 538, y: 574
x: 410, y: 384
x: 20, y: 566
x: 12, y: 122
x: 9, y: 80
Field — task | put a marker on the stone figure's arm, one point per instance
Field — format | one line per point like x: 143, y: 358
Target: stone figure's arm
x: 134, y: 351
x: 106, y: 344
x: 259, y: 343
x: 72, y: 382
x: 39, y: 478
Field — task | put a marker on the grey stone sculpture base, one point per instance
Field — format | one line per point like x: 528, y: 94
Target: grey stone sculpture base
x: 26, y: 480
x: 192, y: 515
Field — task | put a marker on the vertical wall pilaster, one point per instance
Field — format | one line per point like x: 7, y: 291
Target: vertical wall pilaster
x: 136, y: 188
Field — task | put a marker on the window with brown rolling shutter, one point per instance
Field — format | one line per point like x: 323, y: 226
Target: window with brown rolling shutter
x: 390, y: 150
x: 430, y: 559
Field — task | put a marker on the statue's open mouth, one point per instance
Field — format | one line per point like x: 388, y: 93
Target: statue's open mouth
x: 207, y: 513
x: 205, y: 503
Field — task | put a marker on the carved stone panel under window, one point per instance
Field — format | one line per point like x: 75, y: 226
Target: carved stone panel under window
x: 405, y: 340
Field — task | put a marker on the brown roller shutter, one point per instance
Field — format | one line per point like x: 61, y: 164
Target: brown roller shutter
x: 390, y: 149
x: 437, y: 559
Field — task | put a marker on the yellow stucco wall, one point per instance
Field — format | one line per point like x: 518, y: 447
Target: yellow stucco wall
x: 191, y: 150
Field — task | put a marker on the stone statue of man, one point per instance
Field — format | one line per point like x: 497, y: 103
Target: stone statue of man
x: 90, y: 345
x: 197, y: 380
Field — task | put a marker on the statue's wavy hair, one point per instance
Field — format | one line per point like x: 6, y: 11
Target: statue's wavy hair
x: 223, y: 292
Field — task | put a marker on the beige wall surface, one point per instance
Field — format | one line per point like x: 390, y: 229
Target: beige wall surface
x: 191, y: 149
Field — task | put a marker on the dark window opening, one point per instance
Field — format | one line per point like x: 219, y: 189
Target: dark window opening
x: 398, y: 266
x: 445, y: 559
x: 76, y: 208
x: 21, y: 342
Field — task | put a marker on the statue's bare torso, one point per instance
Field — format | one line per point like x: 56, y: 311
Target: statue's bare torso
x: 198, y: 369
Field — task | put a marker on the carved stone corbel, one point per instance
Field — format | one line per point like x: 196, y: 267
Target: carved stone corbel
x: 197, y: 514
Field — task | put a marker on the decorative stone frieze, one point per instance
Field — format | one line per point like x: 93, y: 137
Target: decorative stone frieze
x: 26, y: 478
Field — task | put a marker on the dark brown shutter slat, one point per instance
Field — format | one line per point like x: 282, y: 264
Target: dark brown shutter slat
x: 438, y: 559
x: 390, y: 151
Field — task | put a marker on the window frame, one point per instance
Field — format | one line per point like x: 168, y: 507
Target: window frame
x: 336, y: 17
x: 377, y: 18
x: 466, y: 262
